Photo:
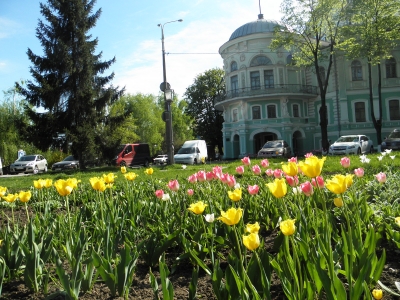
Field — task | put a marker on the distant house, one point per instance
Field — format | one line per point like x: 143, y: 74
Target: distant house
x: 269, y: 98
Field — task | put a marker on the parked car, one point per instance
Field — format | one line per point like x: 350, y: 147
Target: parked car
x: 69, y: 163
x: 352, y: 144
x: 192, y: 152
x: 29, y: 164
x: 392, y: 142
x: 132, y: 154
x: 275, y: 149
x: 161, y: 159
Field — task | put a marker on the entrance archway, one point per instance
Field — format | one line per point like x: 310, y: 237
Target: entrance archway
x: 297, y: 143
x: 261, y: 138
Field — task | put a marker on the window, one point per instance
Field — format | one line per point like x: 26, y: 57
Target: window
x: 233, y: 66
x: 234, y: 85
x: 256, y: 111
x: 271, y: 111
x: 394, y: 110
x: 322, y: 74
x: 391, y: 68
x: 255, y: 80
x: 234, y: 115
x: 290, y: 60
x: 356, y: 70
x: 296, y: 110
x: 359, y: 109
x: 260, y: 60
x: 269, y: 79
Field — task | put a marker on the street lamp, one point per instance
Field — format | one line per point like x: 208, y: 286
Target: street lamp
x: 168, y: 97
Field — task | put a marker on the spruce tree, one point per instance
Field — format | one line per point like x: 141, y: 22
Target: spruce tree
x: 68, y: 79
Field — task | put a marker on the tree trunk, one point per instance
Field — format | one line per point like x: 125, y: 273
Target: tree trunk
x: 377, y: 123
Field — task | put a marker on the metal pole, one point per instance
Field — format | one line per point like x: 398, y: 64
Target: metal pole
x: 167, y: 106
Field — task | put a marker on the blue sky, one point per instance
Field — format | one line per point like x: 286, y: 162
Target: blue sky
x: 127, y: 29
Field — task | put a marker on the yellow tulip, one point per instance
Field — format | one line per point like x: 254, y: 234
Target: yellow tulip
x: 197, y: 207
x: 253, y: 228
x: 73, y: 182
x: 251, y: 241
x: 339, y: 183
x: 377, y: 294
x: 130, y: 176
x: 48, y: 183
x: 397, y: 220
x: 39, y: 184
x: 10, y: 198
x: 98, y: 184
x: 149, y: 171
x: 109, y: 178
x: 123, y: 169
x: 232, y: 216
x: 63, y: 188
x: 290, y: 169
x: 338, y: 202
x: 287, y: 227
x: 312, y: 166
x: 25, y: 196
x: 236, y: 195
x: 3, y: 191
x: 278, y: 188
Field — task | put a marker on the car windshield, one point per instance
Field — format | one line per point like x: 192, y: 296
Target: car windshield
x: 394, y: 135
x: 273, y: 144
x: 187, y: 150
x: 27, y: 158
x: 119, y: 149
x: 347, y: 139
x: 70, y: 158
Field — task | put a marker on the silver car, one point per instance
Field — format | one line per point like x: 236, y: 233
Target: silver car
x: 29, y: 164
x: 277, y: 148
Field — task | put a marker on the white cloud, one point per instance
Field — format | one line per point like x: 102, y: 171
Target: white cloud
x: 8, y: 27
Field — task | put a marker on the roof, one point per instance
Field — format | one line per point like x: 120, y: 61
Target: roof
x: 261, y: 25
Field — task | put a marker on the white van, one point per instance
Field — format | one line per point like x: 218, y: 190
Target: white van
x: 192, y: 152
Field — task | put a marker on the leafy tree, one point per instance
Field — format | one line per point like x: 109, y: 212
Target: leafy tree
x: 68, y: 79
x: 372, y: 33
x: 182, y: 123
x: 200, y: 97
x: 310, y: 29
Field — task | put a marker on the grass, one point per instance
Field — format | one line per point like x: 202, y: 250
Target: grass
x: 331, y: 166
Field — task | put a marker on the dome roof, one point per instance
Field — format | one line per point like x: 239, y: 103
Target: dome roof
x: 259, y: 26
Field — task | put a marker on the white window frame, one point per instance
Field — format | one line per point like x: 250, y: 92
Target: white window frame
x: 299, y: 110
x: 365, y: 110
x: 276, y: 110
x: 252, y: 113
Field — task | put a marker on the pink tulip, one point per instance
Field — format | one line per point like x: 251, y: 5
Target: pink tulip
x: 210, y: 176
x: 201, y: 176
x: 253, y: 189
x: 381, y: 177
x: 269, y: 172
x: 231, y: 181
x: 265, y: 163
x: 319, y: 182
x: 293, y: 159
x: 292, y: 180
x: 345, y: 162
x: 192, y: 178
x: 240, y: 170
x: 278, y: 173
x: 246, y: 161
x: 359, y: 172
x: 256, y: 170
x: 217, y: 171
x: 224, y: 177
x: 190, y: 192
x: 308, y: 155
x: 307, y: 188
x: 173, y: 185
x: 159, y: 194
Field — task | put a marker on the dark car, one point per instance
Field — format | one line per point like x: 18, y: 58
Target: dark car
x: 392, y: 142
x: 69, y: 163
x: 277, y: 148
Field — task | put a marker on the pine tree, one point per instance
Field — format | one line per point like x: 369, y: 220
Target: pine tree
x: 68, y: 79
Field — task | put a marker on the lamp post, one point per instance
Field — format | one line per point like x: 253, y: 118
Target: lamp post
x: 168, y: 97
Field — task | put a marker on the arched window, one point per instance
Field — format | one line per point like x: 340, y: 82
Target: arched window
x: 394, y: 110
x: 256, y: 111
x: 391, y: 68
x: 290, y: 60
x: 260, y: 60
x: 356, y: 70
x: 234, y: 86
x: 233, y: 66
x: 296, y: 110
x: 271, y: 111
x: 359, y: 110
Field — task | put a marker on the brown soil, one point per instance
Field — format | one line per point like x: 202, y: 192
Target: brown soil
x: 180, y: 278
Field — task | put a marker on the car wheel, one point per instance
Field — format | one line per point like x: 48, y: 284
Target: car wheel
x: 123, y: 164
x: 36, y: 170
x: 371, y: 150
x: 45, y: 169
x: 359, y: 151
x: 195, y: 161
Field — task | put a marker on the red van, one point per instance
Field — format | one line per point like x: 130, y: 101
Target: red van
x: 132, y: 154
